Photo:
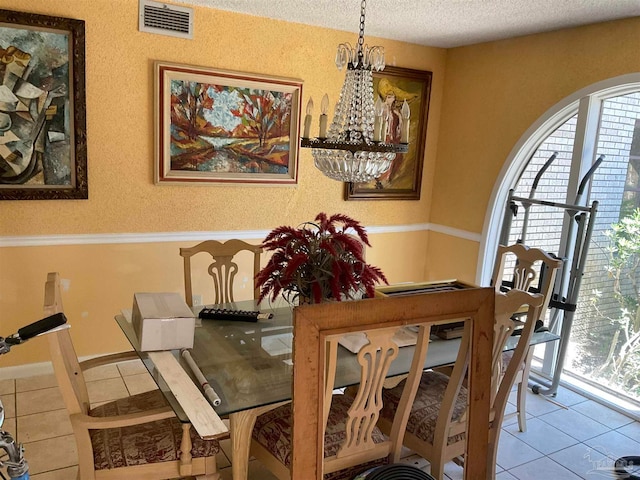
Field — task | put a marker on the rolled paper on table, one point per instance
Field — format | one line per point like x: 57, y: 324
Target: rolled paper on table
x: 208, y: 389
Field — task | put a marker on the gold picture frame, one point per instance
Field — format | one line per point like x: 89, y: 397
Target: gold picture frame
x: 223, y: 127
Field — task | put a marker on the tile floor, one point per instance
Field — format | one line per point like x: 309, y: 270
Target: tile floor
x: 570, y: 437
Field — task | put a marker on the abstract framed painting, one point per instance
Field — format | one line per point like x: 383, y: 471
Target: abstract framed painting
x: 43, y: 144
x: 223, y: 127
x: 403, y: 180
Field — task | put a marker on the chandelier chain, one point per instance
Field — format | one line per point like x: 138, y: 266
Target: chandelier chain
x: 355, y: 149
x: 363, y: 6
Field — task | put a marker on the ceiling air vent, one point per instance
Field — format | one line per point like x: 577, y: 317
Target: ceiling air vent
x: 166, y: 19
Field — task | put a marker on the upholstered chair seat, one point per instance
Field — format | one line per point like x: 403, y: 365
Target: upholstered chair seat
x: 506, y: 358
x: 426, y: 406
x: 135, y: 437
x: 151, y: 442
x: 273, y: 431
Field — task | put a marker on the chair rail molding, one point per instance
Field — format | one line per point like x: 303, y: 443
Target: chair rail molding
x: 159, y: 237
x: 455, y: 232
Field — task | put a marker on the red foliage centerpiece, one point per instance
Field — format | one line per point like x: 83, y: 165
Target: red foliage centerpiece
x: 317, y: 261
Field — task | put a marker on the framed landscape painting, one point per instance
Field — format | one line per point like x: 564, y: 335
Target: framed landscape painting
x: 43, y: 144
x: 221, y: 127
x: 403, y: 180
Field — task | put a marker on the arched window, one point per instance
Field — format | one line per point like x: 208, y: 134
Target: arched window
x: 600, y: 120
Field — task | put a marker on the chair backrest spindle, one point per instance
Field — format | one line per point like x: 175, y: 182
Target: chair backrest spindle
x: 505, y: 325
x: 375, y: 359
x: 223, y: 268
x: 531, y: 263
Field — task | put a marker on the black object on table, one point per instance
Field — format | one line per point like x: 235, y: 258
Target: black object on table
x: 233, y: 315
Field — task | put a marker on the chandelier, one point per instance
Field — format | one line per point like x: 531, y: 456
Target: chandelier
x: 355, y: 148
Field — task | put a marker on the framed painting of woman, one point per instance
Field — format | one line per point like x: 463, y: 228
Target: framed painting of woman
x: 394, y: 86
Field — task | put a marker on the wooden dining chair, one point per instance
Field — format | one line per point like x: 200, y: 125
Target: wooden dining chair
x: 222, y: 269
x: 352, y: 442
x: 137, y: 437
x: 437, y: 424
x: 529, y: 269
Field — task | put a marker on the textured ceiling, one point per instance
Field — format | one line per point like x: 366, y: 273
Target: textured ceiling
x: 437, y: 23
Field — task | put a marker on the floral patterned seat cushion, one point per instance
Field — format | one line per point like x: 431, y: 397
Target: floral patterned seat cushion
x: 152, y: 442
x: 273, y: 431
x: 426, y: 406
x: 506, y: 358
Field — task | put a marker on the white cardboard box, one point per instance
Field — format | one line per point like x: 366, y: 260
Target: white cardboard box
x: 162, y: 321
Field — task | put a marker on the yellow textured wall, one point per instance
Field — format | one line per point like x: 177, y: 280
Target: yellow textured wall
x: 120, y: 130
x: 490, y: 95
x: 494, y: 92
x: 101, y: 279
x: 460, y: 261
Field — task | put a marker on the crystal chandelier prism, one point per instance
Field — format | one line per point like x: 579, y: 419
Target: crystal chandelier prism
x: 354, y: 149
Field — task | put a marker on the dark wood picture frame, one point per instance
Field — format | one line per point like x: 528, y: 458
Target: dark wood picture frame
x: 43, y: 154
x: 404, y: 179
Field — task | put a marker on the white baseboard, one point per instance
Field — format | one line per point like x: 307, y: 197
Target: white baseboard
x: 34, y: 369
x: 28, y: 370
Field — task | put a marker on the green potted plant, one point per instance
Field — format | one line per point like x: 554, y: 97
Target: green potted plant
x: 318, y: 261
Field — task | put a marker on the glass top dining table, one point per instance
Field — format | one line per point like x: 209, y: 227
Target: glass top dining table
x: 250, y: 364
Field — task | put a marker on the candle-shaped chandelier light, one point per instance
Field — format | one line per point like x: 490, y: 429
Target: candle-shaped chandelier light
x: 355, y: 148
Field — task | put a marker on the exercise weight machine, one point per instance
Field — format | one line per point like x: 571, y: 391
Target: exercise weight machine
x: 573, y: 250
